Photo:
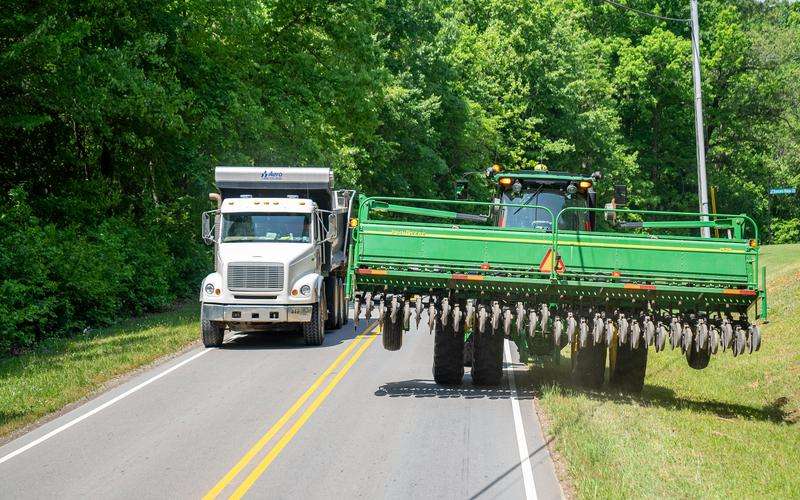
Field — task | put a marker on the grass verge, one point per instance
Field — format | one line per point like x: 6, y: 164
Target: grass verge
x: 730, y: 430
x: 61, y: 371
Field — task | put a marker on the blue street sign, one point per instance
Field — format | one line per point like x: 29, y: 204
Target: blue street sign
x: 783, y: 191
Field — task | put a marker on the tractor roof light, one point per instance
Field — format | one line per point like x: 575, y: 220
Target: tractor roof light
x: 540, y: 167
x: 505, y: 181
x: 585, y: 184
x: 496, y: 168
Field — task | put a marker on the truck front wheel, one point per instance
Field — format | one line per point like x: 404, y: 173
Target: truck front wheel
x: 212, y: 333
x: 314, y: 330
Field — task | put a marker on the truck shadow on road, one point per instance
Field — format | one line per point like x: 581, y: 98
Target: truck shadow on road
x: 288, y: 339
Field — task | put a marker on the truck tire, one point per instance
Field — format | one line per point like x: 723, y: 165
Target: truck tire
x: 392, y: 333
x: 487, y: 357
x: 212, y: 333
x: 629, y: 369
x: 345, y: 314
x: 332, y: 301
x: 314, y: 330
x: 448, y: 348
x: 588, y: 368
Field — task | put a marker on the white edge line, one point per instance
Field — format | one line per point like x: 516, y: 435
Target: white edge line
x: 522, y: 443
x: 100, y: 408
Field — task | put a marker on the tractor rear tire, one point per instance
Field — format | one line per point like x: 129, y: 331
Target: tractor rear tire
x: 629, y: 369
x: 212, y: 333
x: 588, y: 369
x: 698, y: 359
x: 314, y: 330
x: 448, y: 348
x: 392, y: 333
x: 487, y: 357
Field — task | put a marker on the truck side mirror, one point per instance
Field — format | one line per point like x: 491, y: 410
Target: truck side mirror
x: 621, y: 195
x: 208, y: 228
x: 333, y: 227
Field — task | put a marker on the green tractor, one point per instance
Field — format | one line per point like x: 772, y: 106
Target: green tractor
x: 543, y: 265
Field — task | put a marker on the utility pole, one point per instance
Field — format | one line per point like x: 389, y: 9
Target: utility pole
x: 702, y: 187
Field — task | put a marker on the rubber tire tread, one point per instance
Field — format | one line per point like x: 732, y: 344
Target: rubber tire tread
x: 588, y: 370
x: 448, y: 349
x: 212, y: 334
x: 698, y: 359
x: 487, y: 357
x: 629, y: 369
x: 344, y: 317
x: 331, y: 302
x: 314, y: 330
x: 469, y: 350
x: 392, y: 334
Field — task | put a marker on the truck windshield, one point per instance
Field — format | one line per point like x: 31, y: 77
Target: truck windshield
x: 534, y: 217
x: 243, y: 227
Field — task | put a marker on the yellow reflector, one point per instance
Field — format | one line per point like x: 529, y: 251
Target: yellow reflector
x: 353, y: 222
x: 585, y: 184
x: 505, y: 181
x: 753, y: 243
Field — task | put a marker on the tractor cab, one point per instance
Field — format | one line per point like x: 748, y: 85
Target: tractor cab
x: 532, y: 199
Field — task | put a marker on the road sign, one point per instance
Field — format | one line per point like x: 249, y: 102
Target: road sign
x: 783, y: 191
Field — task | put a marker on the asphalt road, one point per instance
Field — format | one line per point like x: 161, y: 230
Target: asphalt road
x: 266, y: 417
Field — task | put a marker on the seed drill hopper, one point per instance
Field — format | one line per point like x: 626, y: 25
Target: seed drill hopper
x: 543, y: 266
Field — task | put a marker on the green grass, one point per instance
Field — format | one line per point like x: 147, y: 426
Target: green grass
x: 730, y: 430
x: 62, y: 371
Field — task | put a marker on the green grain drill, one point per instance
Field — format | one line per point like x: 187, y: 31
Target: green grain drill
x: 541, y: 264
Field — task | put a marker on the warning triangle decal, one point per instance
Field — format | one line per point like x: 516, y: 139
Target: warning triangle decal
x: 547, y: 263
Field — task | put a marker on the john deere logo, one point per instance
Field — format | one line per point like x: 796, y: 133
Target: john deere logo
x: 270, y: 175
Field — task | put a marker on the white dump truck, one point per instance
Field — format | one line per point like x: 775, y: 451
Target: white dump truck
x: 280, y: 252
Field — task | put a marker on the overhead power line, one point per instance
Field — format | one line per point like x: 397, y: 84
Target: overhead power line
x: 643, y: 13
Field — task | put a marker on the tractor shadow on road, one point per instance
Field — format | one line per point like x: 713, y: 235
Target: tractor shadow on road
x: 656, y: 396
x: 292, y: 339
x: 424, y: 388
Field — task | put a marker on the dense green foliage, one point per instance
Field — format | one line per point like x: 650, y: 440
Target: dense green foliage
x: 114, y: 113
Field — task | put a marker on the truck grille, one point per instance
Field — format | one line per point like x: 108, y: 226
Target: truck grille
x: 255, y: 276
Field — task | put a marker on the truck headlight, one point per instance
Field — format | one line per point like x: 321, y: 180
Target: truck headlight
x: 209, y: 288
x: 305, y: 290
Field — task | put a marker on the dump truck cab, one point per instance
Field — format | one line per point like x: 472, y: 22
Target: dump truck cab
x: 530, y: 198
x: 280, y: 252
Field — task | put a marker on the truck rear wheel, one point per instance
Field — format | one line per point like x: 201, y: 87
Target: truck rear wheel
x: 487, y: 357
x: 448, y: 348
x: 314, y: 330
x: 332, y: 302
x: 345, y: 310
x: 212, y: 333
x: 589, y: 365
x: 629, y: 369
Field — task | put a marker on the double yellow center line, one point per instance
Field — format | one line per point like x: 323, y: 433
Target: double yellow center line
x: 359, y: 344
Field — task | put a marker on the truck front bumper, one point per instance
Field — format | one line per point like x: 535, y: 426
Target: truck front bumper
x: 246, y: 313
